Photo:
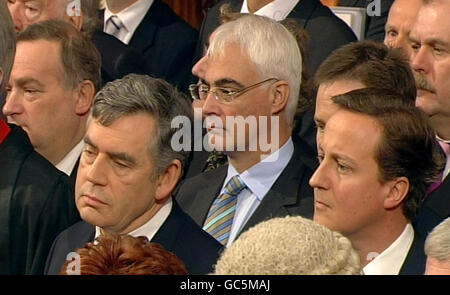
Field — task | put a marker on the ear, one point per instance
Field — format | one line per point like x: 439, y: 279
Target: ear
x: 399, y: 189
x: 280, y: 96
x: 77, y: 21
x: 85, y: 93
x: 168, y: 181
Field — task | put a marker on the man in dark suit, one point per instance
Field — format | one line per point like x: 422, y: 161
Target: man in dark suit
x: 127, y: 174
x: 327, y: 32
x: 165, y: 40
x: 239, y: 82
x: 36, y: 201
x: 431, y: 67
x: 371, y: 190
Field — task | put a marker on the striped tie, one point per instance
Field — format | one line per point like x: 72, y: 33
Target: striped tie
x: 220, y: 217
x: 116, y: 28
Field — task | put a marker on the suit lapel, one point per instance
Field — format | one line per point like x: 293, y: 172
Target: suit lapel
x: 13, y: 153
x: 211, y: 183
x: 168, y: 232
x: 415, y: 261
x: 286, y: 191
x: 439, y: 200
x: 145, y: 33
x: 303, y: 11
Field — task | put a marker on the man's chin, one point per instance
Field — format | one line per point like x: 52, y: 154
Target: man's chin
x: 424, y: 101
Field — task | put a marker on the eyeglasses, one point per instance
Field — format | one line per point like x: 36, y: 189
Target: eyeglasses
x: 223, y: 94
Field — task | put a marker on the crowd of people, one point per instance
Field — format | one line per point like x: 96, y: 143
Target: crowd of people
x: 270, y: 142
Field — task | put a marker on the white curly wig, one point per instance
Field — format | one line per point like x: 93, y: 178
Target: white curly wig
x: 289, y: 246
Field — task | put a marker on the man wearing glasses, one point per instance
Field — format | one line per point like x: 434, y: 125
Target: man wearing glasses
x: 249, y: 94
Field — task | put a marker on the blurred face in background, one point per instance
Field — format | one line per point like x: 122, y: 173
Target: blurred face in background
x: 27, y: 12
x: 402, y: 15
x: 325, y: 107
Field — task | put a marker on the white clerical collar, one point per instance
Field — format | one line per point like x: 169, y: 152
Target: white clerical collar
x: 131, y: 16
x: 152, y: 226
x: 277, y: 10
x: 391, y: 260
x: 68, y: 163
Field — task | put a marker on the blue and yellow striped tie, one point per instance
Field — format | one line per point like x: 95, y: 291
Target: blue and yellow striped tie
x: 220, y: 217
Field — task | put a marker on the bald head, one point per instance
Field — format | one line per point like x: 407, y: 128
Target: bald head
x: 402, y: 16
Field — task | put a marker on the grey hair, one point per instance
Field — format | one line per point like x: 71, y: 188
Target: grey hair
x: 136, y: 94
x: 437, y: 244
x: 7, y: 43
x: 270, y: 46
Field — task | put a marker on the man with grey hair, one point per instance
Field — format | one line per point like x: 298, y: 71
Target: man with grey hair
x: 128, y: 170
x: 250, y: 85
x: 437, y: 249
x: 118, y: 59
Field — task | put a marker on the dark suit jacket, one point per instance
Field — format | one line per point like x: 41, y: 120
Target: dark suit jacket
x: 327, y: 32
x: 36, y: 204
x: 167, y: 43
x: 374, y: 24
x: 118, y: 59
x: 415, y: 261
x: 435, y: 209
x: 179, y: 234
x: 289, y: 195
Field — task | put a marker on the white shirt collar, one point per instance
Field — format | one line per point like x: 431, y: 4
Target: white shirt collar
x: 131, y: 16
x: 68, y: 163
x: 152, y: 226
x: 277, y: 10
x: 391, y: 260
x: 260, y: 177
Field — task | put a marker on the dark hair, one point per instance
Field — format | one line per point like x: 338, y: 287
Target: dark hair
x: 408, y: 144
x: 143, y: 94
x: 80, y: 58
x: 371, y: 63
x: 126, y: 255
